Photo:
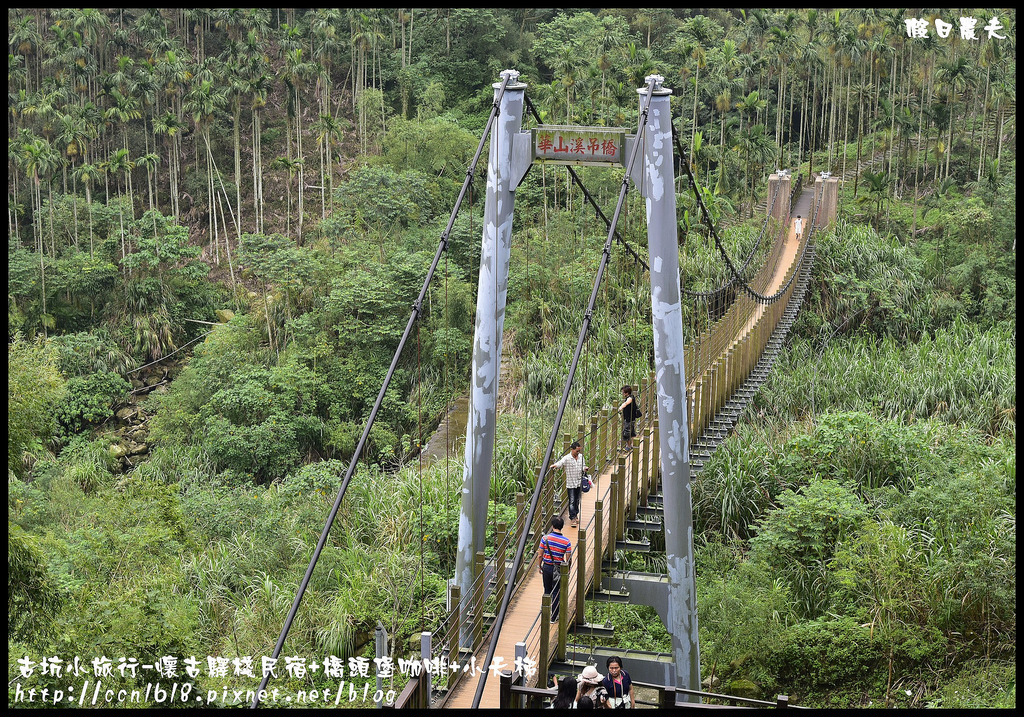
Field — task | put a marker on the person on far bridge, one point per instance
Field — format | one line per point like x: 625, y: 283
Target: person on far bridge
x: 630, y: 412
x: 573, y: 465
x: 798, y: 225
x: 554, y: 550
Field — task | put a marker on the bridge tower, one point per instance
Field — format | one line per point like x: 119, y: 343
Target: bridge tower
x: 782, y: 181
x: 503, y: 176
x: 827, y: 187
x: 657, y: 180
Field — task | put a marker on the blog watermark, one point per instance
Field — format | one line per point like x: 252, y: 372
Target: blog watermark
x: 95, y: 681
x: 920, y: 28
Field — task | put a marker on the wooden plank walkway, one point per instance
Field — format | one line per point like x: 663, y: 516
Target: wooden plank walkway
x: 523, y: 620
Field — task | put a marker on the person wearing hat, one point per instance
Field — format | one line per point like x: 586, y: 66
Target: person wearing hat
x: 590, y: 686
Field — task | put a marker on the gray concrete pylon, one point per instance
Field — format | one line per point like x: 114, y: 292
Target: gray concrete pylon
x: 490, y: 319
x: 657, y: 186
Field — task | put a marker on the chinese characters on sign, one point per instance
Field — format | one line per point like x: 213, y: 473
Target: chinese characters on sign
x: 559, y: 144
x: 917, y: 27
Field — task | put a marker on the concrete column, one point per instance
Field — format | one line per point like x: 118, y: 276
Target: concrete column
x: 784, y: 184
x: 658, y: 188
x: 827, y: 189
x: 490, y: 320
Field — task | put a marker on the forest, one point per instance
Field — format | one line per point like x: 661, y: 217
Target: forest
x: 218, y: 221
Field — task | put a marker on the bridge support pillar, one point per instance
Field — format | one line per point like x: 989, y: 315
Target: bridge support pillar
x: 657, y: 185
x: 827, y: 189
x: 780, y: 209
x: 503, y: 175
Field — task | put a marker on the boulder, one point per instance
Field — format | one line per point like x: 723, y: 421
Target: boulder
x: 743, y: 688
x: 126, y: 413
x: 224, y: 315
x: 138, y: 449
x: 119, y: 450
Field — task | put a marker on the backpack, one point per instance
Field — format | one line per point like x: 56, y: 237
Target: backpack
x: 636, y: 410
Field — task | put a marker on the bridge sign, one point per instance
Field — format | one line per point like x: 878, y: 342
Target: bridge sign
x: 565, y: 144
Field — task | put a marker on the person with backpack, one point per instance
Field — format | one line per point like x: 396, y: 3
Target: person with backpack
x: 591, y: 688
x: 555, y: 549
x: 630, y: 412
x: 575, y: 468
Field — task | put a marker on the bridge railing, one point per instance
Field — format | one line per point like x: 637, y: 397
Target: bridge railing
x: 600, y: 444
x: 725, y: 355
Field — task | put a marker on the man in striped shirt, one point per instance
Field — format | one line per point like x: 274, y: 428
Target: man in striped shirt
x: 574, y: 467
x: 555, y: 549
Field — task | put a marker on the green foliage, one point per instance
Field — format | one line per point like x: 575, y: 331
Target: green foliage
x: 961, y: 375
x: 380, y: 201
x: 83, y: 353
x: 869, y: 282
x: 823, y: 659
x: 893, y: 413
x: 735, y: 487
x: 438, y: 148
x: 799, y: 538
x: 35, y: 389
x: 743, y: 613
x: 90, y: 399
x: 980, y: 684
x: 859, y: 449
x: 160, y: 245
x: 32, y: 597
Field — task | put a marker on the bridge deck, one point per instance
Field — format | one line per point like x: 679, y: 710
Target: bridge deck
x: 523, y: 620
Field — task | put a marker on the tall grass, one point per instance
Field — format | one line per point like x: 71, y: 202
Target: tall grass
x: 959, y: 374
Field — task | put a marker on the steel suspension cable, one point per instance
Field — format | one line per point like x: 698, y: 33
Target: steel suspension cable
x: 416, y: 309
x: 720, y: 291
x: 606, y: 253
x: 736, y: 274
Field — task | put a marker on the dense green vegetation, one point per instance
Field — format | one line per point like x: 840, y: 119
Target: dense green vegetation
x: 218, y: 221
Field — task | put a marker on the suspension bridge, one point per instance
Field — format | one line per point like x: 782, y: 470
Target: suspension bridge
x: 496, y: 644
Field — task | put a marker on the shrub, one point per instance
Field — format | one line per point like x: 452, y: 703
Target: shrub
x: 34, y: 391
x: 827, y: 656
x: 799, y: 538
x: 91, y: 399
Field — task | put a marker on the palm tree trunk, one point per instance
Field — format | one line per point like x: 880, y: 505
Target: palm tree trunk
x: 984, y: 123
x: 238, y: 165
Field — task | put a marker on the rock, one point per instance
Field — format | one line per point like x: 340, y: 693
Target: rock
x: 710, y: 682
x: 153, y: 380
x: 126, y: 413
x: 744, y: 688
x: 119, y: 450
x: 138, y: 449
x: 224, y: 315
